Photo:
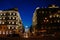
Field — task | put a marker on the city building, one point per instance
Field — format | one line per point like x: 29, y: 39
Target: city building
x: 10, y: 22
x: 46, y: 20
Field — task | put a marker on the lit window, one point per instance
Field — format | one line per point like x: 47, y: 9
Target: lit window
x: 3, y: 32
x: 9, y: 22
x: 9, y: 17
x: 33, y: 20
x: 10, y: 32
x: 16, y: 27
x: 12, y: 27
x: 13, y: 17
x: 1, y: 14
x: 0, y: 32
x: 12, y: 22
x: 45, y: 18
x: 16, y: 23
x: 2, y: 22
x: 0, y: 18
x: 14, y: 13
x: 6, y: 32
x: 50, y: 16
x: 4, y: 14
x: 57, y: 15
x: 58, y: 21
x: 10, y: 13
x: 3, y: 17
x: 9, y: 27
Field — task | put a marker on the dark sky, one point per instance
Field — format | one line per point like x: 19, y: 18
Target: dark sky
x: 26, y: 7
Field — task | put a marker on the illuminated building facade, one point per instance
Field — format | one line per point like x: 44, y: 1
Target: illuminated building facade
x: 46, y: 19
x: 10, y: 22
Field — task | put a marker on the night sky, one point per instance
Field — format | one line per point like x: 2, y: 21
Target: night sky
x: 26, y: 7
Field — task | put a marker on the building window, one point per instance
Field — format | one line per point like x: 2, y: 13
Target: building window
x: 9, y: 22
x: 2, y: 22
x: 12, y: 22
x: 9, y: 17
x: 46, y: 20
x: 45, y: 17
x: 16, y: 27
x: 0, y: 32
x: 9, y: 27
x: 50, y: 16
x: 49, y: 12
x: 10, y: 32
x: 0, y: 17
x: 54, y: 21
x: 12, y: 27
x: 42, y: 11
x: 10, y: 13
x: 57, y: 15
x: 14, y: 17
x: 51, y: 21
x: 7, y: 13
x: 4, y: 14
x: 6, y: 32
x: 16, y: 23
x: 14, y: 13
x: 1, y: 14
x: 3, y: 32
x: 39, y: 11
x: 58, y: 21
x: 58, y: 11
x: 3, y: 17
x: 54, y: 16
